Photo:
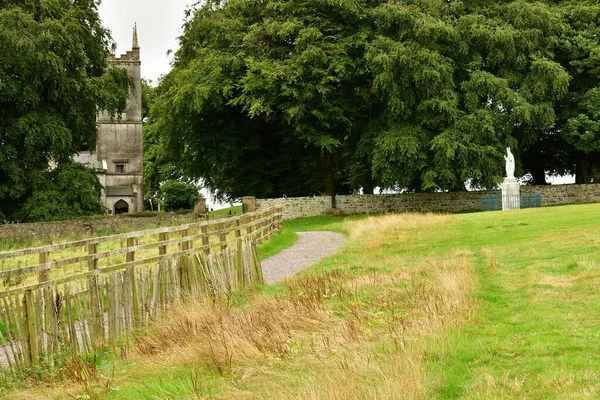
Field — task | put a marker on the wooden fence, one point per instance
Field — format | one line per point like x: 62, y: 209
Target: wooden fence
x: 98, y: 292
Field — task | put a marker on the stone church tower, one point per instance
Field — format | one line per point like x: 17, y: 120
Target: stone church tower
x: 119, y: 156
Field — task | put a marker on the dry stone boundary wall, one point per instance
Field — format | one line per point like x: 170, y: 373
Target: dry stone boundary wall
x: 553, y: 195
x: 80, y: 227
x: 298, y: 207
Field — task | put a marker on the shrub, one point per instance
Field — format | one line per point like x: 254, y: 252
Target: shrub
x: 178, y: 195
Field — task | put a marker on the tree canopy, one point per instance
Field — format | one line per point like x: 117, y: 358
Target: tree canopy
x: 301, y: 97
x: 53, y: 81
x: 176, y: 195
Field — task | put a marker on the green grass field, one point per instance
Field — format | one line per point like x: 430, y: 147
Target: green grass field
x: 225, y: 212
x: 498, y: 305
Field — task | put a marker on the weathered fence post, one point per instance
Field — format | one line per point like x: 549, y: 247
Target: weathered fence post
x: 238, y: 231
x: 92, y: 263
x: 130, y: 254
x: 162, y: 237
x: 205, y: 241
x: 185, y: 245
x: 261, y: 228
x: 256, y: 262
x: 183, y: 264
x: 265, y: 229
x: 158, y: 295
x: 46, y: 300
x: 249, y: 222
x: 33, y: 356
x: 222, y: 236
x: 130, y: 257
x: 97, y: 312
x: 44, y: 258
x: 240, y: 264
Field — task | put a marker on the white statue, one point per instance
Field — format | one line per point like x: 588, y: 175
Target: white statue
x: 510, y: 163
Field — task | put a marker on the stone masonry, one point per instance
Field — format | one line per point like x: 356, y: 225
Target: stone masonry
x: 119, y: 153
x: 52, y: 232
x: 553, y: 195
x: 421, y: 202
x: 296, y: 207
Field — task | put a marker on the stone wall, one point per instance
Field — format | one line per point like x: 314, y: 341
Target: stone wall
x: 297, y: 207
x: 553, y: 195
x: 45, y: 232
x: 423, y: 202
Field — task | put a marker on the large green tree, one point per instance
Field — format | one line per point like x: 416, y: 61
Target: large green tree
x: 421, y: 95
x: 158, y: 165
x: 559, y: 150
x: 460, y: 82
x: 583, y: 132
x: 53, y: 81
x: 578, y: 112
x: 265, y: 97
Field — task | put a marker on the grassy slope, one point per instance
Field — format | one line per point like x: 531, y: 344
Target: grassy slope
x: 485, y: 305
x: 538, y: 321
x: 225, y: 212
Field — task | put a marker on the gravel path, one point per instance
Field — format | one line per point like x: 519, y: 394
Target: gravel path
x: 309, y: 249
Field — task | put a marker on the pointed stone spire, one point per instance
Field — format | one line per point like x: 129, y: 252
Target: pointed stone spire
x: 135, y: 38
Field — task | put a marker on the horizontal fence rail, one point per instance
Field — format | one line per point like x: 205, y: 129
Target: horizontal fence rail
x: 70, y: 258
x: 85, y: 294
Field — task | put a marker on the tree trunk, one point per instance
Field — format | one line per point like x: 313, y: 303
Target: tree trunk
x: 327, y: 173
x: 582, y: 172
x: 595, y: 167
x: 538, y: 175
x: 368, y: 186
x: 458, y: 186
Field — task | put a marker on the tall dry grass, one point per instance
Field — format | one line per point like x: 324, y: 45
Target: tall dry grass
x: 364, y: 329
x: 339, y: 334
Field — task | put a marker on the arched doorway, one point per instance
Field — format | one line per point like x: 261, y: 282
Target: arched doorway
x: 121, y: 207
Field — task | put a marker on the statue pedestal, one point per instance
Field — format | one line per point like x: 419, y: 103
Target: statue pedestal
x: 511, y: 197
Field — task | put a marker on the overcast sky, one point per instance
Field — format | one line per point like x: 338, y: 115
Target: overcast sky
x: 159, y: 24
